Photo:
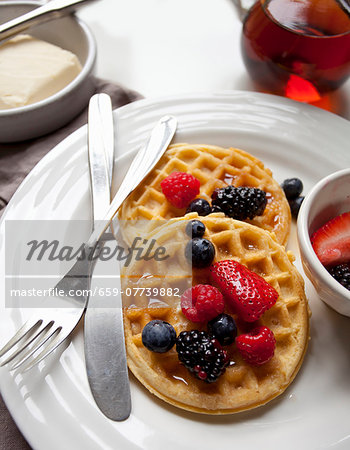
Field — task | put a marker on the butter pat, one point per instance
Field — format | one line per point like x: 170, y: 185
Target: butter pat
x: 32, y: 70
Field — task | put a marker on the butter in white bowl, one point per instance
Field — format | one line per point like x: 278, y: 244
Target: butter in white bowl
x: 32, y: 70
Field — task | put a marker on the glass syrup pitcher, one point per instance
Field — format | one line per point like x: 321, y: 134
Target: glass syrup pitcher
x: 297, y: 48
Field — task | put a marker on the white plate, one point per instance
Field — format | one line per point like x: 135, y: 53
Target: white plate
x: 52, y: 404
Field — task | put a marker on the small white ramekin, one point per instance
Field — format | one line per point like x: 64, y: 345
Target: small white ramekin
x: 329, y: 198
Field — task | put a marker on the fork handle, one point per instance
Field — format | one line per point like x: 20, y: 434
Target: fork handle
x: 54, y: 9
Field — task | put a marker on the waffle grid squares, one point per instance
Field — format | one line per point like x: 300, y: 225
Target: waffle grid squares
x: 242, y: 386
x: 215, y: 167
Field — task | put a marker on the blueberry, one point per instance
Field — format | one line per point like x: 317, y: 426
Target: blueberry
x: 295, y: 206
x: 200, y: 206
x: 223, y: 328
x: 292, y: 187
x: 158, y: 336
x: 200, y: 252
x: 195, y: 228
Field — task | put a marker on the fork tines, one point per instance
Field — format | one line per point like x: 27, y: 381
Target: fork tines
x: 32, y: 337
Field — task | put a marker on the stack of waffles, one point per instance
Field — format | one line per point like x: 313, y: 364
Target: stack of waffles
x: 155, y: 286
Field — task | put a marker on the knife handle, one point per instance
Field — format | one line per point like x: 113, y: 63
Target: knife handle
x: 101, y: 153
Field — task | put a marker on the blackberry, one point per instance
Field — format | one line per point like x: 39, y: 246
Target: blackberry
x: 342, y: 274
x: 201, y: 355
x: 200, y: 206
x: 239, y: 202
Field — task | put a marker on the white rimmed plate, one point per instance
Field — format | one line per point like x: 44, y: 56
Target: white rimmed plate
x: 52, y: 404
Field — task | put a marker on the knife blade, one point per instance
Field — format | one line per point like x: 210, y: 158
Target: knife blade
x: 105, y: 355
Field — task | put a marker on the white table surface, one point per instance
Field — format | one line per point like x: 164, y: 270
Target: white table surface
x: 168, y: 47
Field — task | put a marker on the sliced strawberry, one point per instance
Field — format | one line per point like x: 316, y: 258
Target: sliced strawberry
x: 331, y: 242
x: 246, y: 292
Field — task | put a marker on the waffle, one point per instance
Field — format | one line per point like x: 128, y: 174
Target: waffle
x: 215, y: 167
x: 242, y: 386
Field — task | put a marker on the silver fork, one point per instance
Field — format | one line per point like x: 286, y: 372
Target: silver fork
x: 40, y: 335
x: 46, y: 328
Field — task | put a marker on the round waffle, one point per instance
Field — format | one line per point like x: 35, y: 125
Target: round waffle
x: 242, y: 386
x: 215, y: 167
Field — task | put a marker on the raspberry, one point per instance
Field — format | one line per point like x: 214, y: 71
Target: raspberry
x: 342, y: 274
x: 180, y: 188
x: 239, y: 202
x: 258, y: 346
x: 202, y: 303
x: 201, y: 355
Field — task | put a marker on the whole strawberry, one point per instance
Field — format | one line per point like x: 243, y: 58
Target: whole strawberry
x: 245, y: 291
x: 258, y: 346
x: 180, y: 188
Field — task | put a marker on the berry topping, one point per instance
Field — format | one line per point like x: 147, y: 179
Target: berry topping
x: 158, y: 336
x: 247, y: 293
x: 195, y: 228
x: 180, y: 188
x: 331, y: 242
x: 201, y: 355
x: 200, y: 206
x: 258, y: 346
x: 295, y: 205
x: 200, y: 252
x: 239, y: 202
x: 292, y: 187
x: 223, y: 328
x: 342, y: 274
x: 202, y: 302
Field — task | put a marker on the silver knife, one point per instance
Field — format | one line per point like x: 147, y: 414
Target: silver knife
x: 107, y: 370
x: 105, y: 355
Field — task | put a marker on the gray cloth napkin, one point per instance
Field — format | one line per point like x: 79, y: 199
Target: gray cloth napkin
x: 16, y: 161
